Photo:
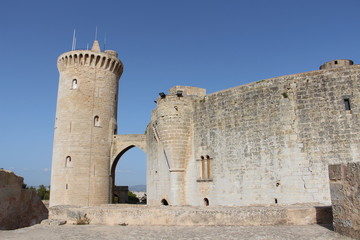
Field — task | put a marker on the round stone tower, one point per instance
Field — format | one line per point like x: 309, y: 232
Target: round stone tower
x: 172, y: 121
x: 84, y: 127
x: 336, y: 64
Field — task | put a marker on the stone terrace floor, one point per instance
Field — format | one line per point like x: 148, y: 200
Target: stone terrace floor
x: 92, y: 232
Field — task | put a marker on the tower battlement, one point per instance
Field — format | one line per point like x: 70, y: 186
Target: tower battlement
x: 106, y: 60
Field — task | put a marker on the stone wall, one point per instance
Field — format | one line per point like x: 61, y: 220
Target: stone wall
x: 271, y: 141
x: 193, y: 216
x: 18, y: 207
x: 267, y: 142
x: 345, y: 192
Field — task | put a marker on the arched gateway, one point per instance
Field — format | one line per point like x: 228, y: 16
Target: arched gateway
x: 120, y: 145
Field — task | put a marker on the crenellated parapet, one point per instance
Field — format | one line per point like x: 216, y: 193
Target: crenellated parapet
x: 106, y: 60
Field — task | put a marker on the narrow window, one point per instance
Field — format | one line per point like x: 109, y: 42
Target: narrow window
x: 66, y: 187
x: 208, y: 166
x: 335, y: 62
x: 206, y: 202
x: 74, y: 84
x: 68, y: 161
x: 164, y: 202
x: 203, y: 168
x: 347, y: 104
x: 96, y: 121
x: 276, y: 201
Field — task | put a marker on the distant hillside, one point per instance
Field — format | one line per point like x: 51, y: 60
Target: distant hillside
x: 138, y: 188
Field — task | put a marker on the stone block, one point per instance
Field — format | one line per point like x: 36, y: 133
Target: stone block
x: 335, y: 172
x: 345, y: 198
x: 336, y: 191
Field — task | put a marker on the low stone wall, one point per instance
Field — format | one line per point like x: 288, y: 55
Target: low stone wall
x: 194, y: 216
x: 18, y: 207
x: 345, y: 192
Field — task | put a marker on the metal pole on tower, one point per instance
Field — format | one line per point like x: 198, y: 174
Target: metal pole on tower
x: 105, y: 42
x: 73, y: 41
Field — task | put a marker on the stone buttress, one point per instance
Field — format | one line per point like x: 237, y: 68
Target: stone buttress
x: 172, y: 126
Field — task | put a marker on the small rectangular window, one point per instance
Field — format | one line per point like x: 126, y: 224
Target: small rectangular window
x: 347, y: 104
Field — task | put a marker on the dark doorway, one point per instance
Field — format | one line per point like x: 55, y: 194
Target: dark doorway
x: 164, y: 202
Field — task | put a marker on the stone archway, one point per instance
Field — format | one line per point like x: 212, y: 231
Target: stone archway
x: 121, y: 144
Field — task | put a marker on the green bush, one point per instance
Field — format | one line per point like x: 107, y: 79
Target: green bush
x: 132, y: 198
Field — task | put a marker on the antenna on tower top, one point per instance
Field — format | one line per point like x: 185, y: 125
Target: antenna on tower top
x: 73, y: 41
x: 96, y: 33
x: 105, y: 41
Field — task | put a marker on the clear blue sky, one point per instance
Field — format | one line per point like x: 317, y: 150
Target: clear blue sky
x: 203, y: 43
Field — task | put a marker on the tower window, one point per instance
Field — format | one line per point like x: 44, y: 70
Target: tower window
x: 347, y: 104
x: 164, y: 202
x: 336, y: 62
x: 96, y: 121
x: 208, y: 167
x: 74, y: 84
x: 206, y: 202
x: 68, y: 161
x: 205, y: 170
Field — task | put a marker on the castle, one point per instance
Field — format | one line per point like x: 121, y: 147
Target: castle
x: 264, y: 143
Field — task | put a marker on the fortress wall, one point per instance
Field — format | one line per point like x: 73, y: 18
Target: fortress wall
x: 271, y: 141
x: 157, y: 175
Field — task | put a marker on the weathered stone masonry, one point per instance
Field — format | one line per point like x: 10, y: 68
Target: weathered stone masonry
x: 84, y: 127
x: 344, y: 186
x: 267, y: 142
x: 86, y: 147
x: 263, y: 143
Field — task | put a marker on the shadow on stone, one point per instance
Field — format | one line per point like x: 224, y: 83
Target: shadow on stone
x: 324, y: 217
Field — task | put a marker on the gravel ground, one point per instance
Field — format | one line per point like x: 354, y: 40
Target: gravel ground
x: 92, y: 232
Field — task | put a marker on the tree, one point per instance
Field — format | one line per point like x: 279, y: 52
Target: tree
x: 43, y: 192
